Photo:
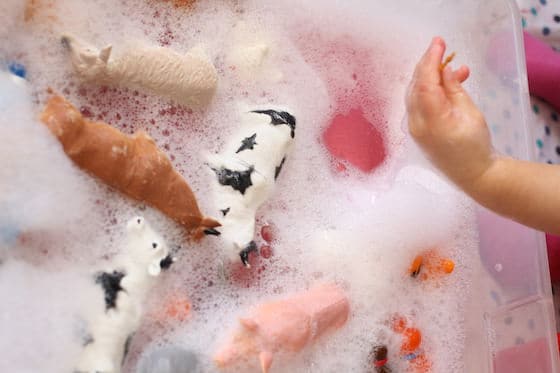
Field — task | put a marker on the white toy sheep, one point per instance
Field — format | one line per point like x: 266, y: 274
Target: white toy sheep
x: 125, y: 285
x: 188, y: 79
x: 245, y: 175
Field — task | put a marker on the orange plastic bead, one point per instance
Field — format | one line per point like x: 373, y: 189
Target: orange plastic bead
x: 414, y: 269
x: 398, y: 323
x: 412, y: 340
x: 447, y: 265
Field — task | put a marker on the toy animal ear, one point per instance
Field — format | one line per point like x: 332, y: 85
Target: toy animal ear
x: 154, y: 269
x: 105, y: 53
x: 248, y: 324
x: 87, y: 57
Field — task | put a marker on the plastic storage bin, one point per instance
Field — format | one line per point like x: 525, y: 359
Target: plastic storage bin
x: 510, y: 317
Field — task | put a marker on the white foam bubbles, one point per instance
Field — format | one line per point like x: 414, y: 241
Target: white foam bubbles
x: 358, y: 230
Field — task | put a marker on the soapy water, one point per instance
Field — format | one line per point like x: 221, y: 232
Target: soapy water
x: 332, y: 222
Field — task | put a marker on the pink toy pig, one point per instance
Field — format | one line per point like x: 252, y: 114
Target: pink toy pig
x: 285, y: 326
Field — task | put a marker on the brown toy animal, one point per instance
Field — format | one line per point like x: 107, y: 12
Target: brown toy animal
x: 131, y: 164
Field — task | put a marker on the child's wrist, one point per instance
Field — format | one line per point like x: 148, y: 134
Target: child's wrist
x: 488, y: 178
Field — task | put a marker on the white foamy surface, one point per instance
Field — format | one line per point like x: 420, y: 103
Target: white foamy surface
x: 361, y: 231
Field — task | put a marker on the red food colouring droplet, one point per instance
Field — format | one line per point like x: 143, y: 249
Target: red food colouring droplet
x: 353, y: 138
x: 267, y: 233
x: 266, y: 251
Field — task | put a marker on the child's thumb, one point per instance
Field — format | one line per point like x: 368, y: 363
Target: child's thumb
x: 452, y: 86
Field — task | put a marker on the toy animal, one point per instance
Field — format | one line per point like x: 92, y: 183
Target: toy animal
x: 246, y: 172
x: 188, y: 79
x: 286, y: 325
x: 125, y: 285
x: 131, y: 164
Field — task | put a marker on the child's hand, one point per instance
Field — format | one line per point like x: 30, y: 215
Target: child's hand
x: 445, y: 122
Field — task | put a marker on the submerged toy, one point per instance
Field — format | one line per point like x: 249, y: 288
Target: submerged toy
x: 131, y: 164
x: 17, y: 69
x: 410, y: 346
x: 285, y: 326
x: 168, y: 360
x: 353, y: 138
x: 379, y: 359
x: 246, y: 172
x: 125, y: 285
x: 430, y: 264
x: 188, y: 79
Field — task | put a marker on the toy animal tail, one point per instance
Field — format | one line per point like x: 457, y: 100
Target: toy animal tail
x: 207, y: 227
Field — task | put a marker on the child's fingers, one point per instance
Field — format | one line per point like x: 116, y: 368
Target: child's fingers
x: 427, y: 70
x: 452, y: 84
x: 462, y: 74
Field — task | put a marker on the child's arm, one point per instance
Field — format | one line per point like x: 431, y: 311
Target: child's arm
x: 452, y: 131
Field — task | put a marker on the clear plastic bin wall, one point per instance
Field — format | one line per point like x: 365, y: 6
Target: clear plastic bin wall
x: 510, y: 317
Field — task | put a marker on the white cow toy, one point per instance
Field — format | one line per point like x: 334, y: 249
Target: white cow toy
x: 188, y: 79
x: 125, y: 286
x: 246, y: 172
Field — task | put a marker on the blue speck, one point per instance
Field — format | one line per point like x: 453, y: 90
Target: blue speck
x: 540, y: 143
x: 495, y: 295
x: 17, y: 69
x: 534, y: 11
x: 543, y: 2
x: 410, y: 356
x: 545, y: 31
x: 523, y: 22
x: 554, y: 116
x: 8, y: 234
x: 547, y: 130
x: 536, y: 108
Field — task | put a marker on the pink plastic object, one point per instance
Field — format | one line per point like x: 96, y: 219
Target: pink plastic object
x: 529, y: 357
x: 553, y: 248
x: 543, y: 65
x: 354, y: 139
x: 285, y: 326
x: 543, y: 70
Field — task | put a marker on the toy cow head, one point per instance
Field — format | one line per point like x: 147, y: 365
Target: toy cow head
x: 146, y: 247
x: 88, y: 61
